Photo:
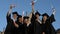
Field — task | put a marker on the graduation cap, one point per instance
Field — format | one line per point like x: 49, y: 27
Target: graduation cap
x: 19, y: 16
x: 26, y: 17
x: 37, y: 13
x: 45, y: 14
x: 15, y: 13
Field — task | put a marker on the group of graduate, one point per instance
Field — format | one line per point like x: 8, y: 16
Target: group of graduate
x: 30, y: 24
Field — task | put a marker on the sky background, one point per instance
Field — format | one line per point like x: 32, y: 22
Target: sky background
x: 43, y: 6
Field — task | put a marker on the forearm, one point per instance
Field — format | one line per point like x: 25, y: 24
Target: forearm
x: 16, y: 25
x: 9, y: 12
x: 10, y: 9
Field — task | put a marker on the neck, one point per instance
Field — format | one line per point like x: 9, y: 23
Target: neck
x: 14, y: 19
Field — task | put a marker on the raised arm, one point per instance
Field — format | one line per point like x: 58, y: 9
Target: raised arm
x: 9, y: 14
x: 51, y: 18
x: 32, y: 12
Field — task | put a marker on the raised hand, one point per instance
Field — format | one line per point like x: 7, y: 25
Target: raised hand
x: 10, y: 10
x: 32, y: 2
x: 54, y: 11
x: 33, y: 6
x: 12, y: 6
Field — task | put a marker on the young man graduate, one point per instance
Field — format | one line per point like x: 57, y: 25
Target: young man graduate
x: 28, y: 26
x: 11, y: 23
x: 21, y: 28
x: 38, y: 23
x: 47, y: 21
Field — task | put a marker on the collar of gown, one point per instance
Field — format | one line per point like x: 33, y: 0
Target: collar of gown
x: 39, y: 21
x: 14, y: 19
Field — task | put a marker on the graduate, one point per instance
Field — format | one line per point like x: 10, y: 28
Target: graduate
x: 47, y: 26
x: 38, y: 23
x: 15, y: 23
x: 21, y: 29
x: 44, y: 25
x: 28, y: 26
x: 11, y: 23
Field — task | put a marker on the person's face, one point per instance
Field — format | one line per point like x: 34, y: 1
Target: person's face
x: 15, y: 16
x: 45, y: 18
x: 26, y: 21
x: 37, y: 16
x: 20, y: 19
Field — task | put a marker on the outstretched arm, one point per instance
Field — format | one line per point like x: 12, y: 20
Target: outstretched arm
x: 9, y: 14
x: 32, y: 12
x: 51, y: 18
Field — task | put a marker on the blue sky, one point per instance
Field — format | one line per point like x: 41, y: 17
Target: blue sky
x: 24, y: 5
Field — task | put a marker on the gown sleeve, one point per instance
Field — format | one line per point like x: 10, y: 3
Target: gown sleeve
x: 8, y: 17
x: 51, y: 19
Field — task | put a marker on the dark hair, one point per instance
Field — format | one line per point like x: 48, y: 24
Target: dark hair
x: 43, y: 20
x: 15, y: 13
x: 37, y: 13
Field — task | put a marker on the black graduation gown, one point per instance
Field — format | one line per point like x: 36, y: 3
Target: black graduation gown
x: 37, y: 25
x: 15, y: 29
x: 33, y: 21
x: 44, y: 29
x: 38, y: 28
x: 29, y: 29
x: 21, y: 29
x: 10, y: 28
x: 48, y: 27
